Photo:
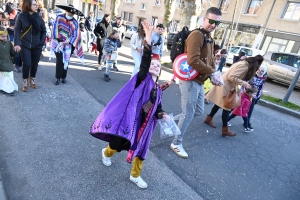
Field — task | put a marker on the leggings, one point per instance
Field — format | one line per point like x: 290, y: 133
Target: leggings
x: 225, y: 114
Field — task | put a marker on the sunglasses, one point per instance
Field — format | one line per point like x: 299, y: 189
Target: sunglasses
x: 211, y: 21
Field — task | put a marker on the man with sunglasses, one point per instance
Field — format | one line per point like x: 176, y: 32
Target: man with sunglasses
x: 200, y: 57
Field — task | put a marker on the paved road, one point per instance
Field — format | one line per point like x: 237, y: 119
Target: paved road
x: 263, y: 164
x: 48, y: 154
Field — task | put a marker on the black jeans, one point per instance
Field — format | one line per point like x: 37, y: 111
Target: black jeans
x: 60, y: 71
x: 225, y: 114
x: 30, y: 58
x: 100, y: 45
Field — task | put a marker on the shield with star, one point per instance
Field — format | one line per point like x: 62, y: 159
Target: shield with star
x: 182, y: 70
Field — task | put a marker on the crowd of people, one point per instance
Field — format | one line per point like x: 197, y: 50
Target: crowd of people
x: 140, y: 99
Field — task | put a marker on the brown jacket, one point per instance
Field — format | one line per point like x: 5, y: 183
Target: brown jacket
x: 198, y: 58
x: 231, y: 77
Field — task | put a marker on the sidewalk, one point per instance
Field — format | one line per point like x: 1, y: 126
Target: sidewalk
x: 49, y: 154
x: 126, y: 52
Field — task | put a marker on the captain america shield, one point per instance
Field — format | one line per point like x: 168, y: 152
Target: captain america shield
x: 182, y: 70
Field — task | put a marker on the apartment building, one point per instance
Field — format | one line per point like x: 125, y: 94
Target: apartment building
x: 270, y: 25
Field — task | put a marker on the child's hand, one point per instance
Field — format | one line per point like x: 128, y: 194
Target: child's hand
x: 166, y: 118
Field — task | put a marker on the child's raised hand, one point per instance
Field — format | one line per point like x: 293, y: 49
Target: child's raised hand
x: 148, y: 31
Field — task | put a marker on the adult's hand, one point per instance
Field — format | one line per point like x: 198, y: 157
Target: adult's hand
x: 139, y: 49
x: 246, y: 85
x: 17, y: 48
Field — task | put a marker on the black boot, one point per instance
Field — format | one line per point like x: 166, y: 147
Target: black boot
x: 63, y: 80
x: 56, y: 82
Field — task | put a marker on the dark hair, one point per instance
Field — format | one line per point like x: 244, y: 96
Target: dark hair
x: 185, y: 28
x: 251, y: 90
x: 214, y: 10
x: 103, y: 19
x: 241, y: 53
x: 216, y: 47
x: 159, y: 25
x: 141, y: 32
x: 254, y: 64
x: 223, y: 51
x: 26, y: 6
x: 114, y: 31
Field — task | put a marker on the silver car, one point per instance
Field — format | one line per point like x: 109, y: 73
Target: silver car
x: 130, y: 30
x: 282, y: 67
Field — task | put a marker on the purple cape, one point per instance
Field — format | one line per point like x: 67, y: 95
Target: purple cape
x: 122, y: 116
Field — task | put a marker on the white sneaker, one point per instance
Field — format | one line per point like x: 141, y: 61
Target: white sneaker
x: 228, y: 124
x: 106, y: 160
x: 139, y: 181
x: 247, y: 130
x: 99, y: 67
x: 179, y: 150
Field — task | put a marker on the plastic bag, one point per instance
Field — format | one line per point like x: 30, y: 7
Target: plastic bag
x: 216, y: 78
x: 168, y: 128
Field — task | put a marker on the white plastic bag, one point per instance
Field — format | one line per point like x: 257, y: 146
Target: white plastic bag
x: 168, y: 128
x: 114, y: 55
x: 216, y: 78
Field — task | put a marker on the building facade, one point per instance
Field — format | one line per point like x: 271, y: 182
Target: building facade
x: 269, y: 25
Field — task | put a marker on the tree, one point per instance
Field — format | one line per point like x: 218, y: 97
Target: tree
x: 169, y: 12
x: 190, y: 10
x: 115, y: 4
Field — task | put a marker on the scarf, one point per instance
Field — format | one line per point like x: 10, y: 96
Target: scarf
x: 34, y: 22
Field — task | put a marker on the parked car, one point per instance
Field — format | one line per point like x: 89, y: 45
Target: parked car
x: 282, y: 67
x: 234, y: 51
x: 170, y: 40
x: 130, y: 30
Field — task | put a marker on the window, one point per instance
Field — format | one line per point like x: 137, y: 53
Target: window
x: 292, y: 11
x: 154, y: 20
x: 127, y: 16
x: 281, y: 58
x: 296, y: 62
x: 254, y: 7
x: 157, y: 2
x: 143, y: 6
x: 224, y: 5
x: 248, y: 52
x: 129, y: 1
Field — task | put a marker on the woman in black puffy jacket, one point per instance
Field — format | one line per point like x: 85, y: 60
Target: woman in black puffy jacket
x: 30, y: 35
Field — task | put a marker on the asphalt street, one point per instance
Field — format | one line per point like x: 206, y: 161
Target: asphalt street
x: 46, y: 152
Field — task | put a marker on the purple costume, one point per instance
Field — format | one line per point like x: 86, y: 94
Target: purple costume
x: 123, y: 116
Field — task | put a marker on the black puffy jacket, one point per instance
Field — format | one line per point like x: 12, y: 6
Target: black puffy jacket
x: 29, y: 40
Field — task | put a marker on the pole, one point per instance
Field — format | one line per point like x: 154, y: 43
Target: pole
x: 227, y: 45
x: 292, y: 86
x: 236, y: 25
x: 265, y: 25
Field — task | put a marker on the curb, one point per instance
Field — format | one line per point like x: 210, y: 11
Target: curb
x: 2, y: 193
x: 279, y: 108
x: 260, y: 102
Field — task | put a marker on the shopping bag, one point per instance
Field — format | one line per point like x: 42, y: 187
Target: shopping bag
x: 168, y: 128
x: 114, y: 55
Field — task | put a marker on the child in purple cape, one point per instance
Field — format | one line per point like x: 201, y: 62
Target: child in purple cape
x: 129, y: 119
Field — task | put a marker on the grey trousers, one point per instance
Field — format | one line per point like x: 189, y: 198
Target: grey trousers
x: 192, y: 103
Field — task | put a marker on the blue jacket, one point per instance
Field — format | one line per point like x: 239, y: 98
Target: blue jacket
x: 111, y: 45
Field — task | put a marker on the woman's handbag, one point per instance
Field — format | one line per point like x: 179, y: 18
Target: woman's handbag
x: 233, y: 98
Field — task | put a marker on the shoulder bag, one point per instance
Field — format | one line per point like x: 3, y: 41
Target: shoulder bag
x: 233, y: 98
x: 26, y: 32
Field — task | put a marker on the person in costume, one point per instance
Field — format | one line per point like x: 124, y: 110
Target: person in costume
x: 30, y: 35
x: 66, y: 40
x: 129, y: 119
x: 7, y: 82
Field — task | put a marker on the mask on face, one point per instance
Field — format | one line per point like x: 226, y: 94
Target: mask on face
x: 69, y: 17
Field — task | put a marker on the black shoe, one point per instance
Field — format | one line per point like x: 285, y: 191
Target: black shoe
x: 56, y: 82
x: 2, y: 92
x: 63, y: 80
x: 106, y: 77
x: 11, y: 94
x: 250, y: 127
x: 115, y: 67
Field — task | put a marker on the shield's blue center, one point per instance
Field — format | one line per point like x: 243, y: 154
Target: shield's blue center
x: 185, y: 67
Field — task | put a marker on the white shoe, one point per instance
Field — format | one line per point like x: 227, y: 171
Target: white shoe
x: 106, y: 160
x: 179, y: 150
x: 100, y: 67
x: 228, y: 124
x: 139, y: 181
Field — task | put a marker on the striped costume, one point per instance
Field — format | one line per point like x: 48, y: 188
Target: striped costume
x: 66, y: 30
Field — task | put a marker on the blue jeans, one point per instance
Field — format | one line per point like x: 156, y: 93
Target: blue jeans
x: 254, y: 101
x: 246, y: 120
x: 89, y: 39
x: 192, y: 103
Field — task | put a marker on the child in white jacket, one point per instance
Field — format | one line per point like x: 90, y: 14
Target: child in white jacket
x: 137, y: 48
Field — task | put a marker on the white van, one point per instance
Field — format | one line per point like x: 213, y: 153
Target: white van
x: 235, y: 50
